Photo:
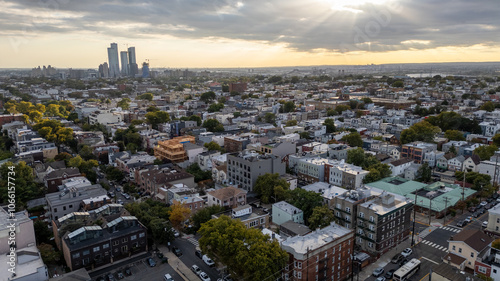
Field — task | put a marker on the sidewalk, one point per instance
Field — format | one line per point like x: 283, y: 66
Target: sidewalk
x: 385, y: 259
x: 186, y: 273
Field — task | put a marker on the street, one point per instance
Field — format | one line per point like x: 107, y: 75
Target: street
x: 189, y: 258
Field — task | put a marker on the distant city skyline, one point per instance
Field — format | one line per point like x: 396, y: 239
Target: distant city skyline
x: 231, y: 33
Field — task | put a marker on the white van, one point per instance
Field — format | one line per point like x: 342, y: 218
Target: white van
x: 168, y: 277
x: 208, y: 261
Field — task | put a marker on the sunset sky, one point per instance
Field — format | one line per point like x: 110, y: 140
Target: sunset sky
x: 257, y: 33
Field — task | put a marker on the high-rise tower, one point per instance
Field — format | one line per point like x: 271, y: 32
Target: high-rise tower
x: 114, y: 66
x: 124, y: 61
x: 133, y: 68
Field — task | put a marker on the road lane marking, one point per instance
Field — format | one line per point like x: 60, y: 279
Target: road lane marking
x: 430, y: 261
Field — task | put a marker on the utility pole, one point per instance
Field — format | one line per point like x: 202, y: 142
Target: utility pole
x: 430, y: 210
x: 463, y: 187
x: 414, y: 219
x: 445, y: 211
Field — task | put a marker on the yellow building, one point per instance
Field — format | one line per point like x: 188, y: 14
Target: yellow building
x: 173, y: 149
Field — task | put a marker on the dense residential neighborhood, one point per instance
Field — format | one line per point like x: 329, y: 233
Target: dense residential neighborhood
x: 303, y: 174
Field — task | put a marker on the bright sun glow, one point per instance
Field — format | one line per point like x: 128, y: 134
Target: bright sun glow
x: 351, y: 5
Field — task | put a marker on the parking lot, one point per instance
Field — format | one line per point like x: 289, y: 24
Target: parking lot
x: 141, y: 270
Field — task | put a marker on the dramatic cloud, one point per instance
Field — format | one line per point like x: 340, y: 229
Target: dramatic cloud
x: 303, y: 25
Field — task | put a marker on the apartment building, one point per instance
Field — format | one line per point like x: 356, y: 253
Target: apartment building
x: 284, y: 211
x: 95, y: 246
x: 74, y: 199
x: 344, y: 174
x: 29, y: 265
x: 324, y: 254
x: 173, y: 149
x: 417, y: 150
x: 104, y: 117
x: 244, y: 168
x: 279, y: 149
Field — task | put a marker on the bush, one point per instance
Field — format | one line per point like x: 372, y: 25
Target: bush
x: 453, y: 212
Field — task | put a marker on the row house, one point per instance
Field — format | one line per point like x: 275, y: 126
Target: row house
x: 324, y: 254
x: 153, y: 178
x: 95, y: 246
x: 219, y: 169
x: 49, y: 149
x: 431, y: 158
x: 128, y: 162
x: 465, y: 247
x: 250, y: 217
x: 344, y: 174
x: 489, y: 129
x: 54, y: 179
x: 230, y: 197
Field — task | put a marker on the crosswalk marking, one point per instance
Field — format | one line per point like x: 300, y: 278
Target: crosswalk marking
x: 434, y: 245
x: 193, y: 241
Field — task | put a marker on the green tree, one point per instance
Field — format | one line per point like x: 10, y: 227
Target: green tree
x: 290, y: 123
x: 424, y: 173
x: 208, y: 97
x: 486, y: 151
x: 488, y: 106
x: 195, y: 118
x: 304, y: 135
x: 21, y: 176
x: 215, y: 107
x: 86, y: 153
x: 113, y: 173
x: 43, y: 234
x: 288, y: 106
x: 124, y: 103
x: 270, y: 118
x: 398, y: 84
x: 145, y: 96
x: 321, y: 216
x: 213, y: 125
x: 213, y: 146
x: 161, y: 230
x: 496, y: 140
x: 353, y: 139
x: 304, y: 200
x: 377, y: 172
x: 157, y: 117
x: 246, y: 252
x: 330, y: 125
x: 49, y: 254
x: 455, y: 135
x: 204, y: 215
x: 199, y: 175
x: 267, y: 188
x: 341, y: 108
x: 421, y: 131
x: 236, y: 114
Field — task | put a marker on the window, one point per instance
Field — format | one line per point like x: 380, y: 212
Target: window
x: 70, y: 206
x: 55, y: 210
x: 370, y: 236
x: 370, y: 244
x: 299, y: 265
x: 64, y: 208
x: 124, y: 240
x: 299, y: 275
x: 372, y: 219
x: 459, y: 250
x: 361, y: 214
x: 96, y: 249
x: 86, y: 252
x: 76, y: 255
x: 454, y: 248
x: 116, y: 242
x: 142, y: 235
x: 124, y: 249
x: 316, y: 271
x: 481, y: 269
x: 133, y: 237
x: 347, y: 209
x: 105, y: 246
x: 471, y: 255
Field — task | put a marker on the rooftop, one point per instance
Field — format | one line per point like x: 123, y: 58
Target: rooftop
x: 326, y: 190
x: 287, y: 207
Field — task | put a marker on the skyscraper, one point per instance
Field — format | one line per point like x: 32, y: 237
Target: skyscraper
x: 104, y: 70
x: 124, y: 60
x: 114, y: 66
x: 133, y: 68
x: 145, y: 70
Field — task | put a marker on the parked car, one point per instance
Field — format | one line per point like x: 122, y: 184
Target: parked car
x: 128, y: 272
x: 381, y: 278
x: 208, y: 260
x: 111, y: 194
x: 468, y: 220
x: 196, y: 269
x: 489, y: 206
x: 397, y: 258
x: 168, y: 277
x: 483, y: 203
x: 110, y: 277
x: 204, y: 277
x: 406, y: 252
x: 151, y: 262
x: 162, y: 257
x: 120, y: 201
x: 461, y: 223
x: 176, y: 233
x: 388, y: 275
x: 484, y: 224
x: 177, y: 251
x: 477, y: 214
x: 377, y: 272
x: 119, y: 275
x: 126, y: 196
x: 198, y: 254
x: 118, y: 189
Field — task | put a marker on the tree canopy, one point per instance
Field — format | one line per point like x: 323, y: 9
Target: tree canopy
x: 246, y: 252
x: 421, y: 131
x: 353, y: 139
x: 330, y: 125
x: 271, y: 188
x: 454, y: 135
x: 424, y: 173
x: 321, y: 217
x: 157, y: 117
x: 21, y: 176
x: 304, y: 200
x: 213, y: 125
